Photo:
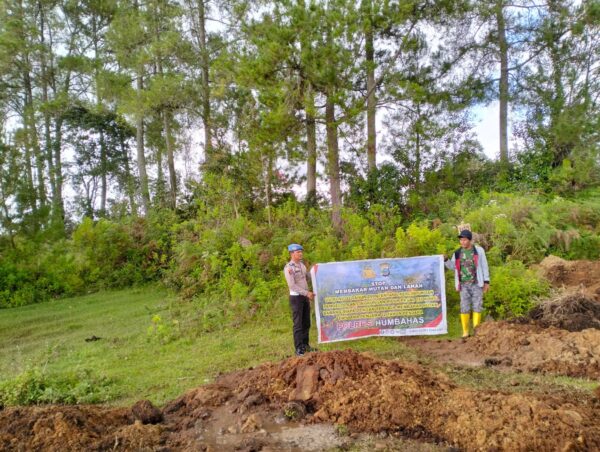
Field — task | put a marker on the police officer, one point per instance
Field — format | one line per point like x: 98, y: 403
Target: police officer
x: 295, y: 275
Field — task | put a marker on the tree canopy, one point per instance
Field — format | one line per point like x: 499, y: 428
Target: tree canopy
x: 119, y: 107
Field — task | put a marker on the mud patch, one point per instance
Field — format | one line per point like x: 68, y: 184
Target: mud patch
x: 369, y: 394
x: 559, y: 336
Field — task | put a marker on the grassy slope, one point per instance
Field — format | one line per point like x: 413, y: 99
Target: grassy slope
x: 51, y: 337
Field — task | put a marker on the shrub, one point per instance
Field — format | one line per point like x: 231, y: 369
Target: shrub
x: 586, y: 247
x: 162, y: 331
x: 513, y: 290
x: 419, y: 240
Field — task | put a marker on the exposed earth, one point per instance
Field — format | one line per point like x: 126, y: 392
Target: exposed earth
x: 560, y: 336
x: 344, y: 400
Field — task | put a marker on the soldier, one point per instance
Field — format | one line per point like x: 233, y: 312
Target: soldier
x: 295, y: 275
x: 471, y: 278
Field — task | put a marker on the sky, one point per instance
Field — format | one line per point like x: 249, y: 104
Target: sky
x: 486, y: 128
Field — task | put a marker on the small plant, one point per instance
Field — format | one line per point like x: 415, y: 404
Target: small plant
x: 294, y: 411
x: 35, y: 387
x: 341, y: 430
x: 161, y: 331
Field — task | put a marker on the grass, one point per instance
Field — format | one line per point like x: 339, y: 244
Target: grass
x: 151, y: 347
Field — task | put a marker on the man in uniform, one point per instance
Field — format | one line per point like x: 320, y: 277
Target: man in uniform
x: 295, y: 275
x: 471, y: 279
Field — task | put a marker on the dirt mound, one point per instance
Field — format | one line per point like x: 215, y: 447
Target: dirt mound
x: 571, y: 311
x: 373, y: 395
x: 345, y: 387
x: 59, y: 428
x: 528, y: 348
x: 246, y: 411
x: 573, y: 274
x: 535, y: 349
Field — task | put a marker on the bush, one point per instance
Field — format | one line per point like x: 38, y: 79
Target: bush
x: 586, y: 247
x: 513, y: 290
x: 235, y: 258
x: 419, y: 240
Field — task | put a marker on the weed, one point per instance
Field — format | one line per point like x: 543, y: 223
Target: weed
x: 35, y: 386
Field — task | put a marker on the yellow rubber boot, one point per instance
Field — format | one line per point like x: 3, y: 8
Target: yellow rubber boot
x: 464, y: 320
x: 476, y: 319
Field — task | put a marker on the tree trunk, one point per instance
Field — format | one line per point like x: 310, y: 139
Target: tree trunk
x: 308, y: 93
x: 103, y: 153
x: 371, y: 100
x: 31, y: 193
x: 311, y: 147
x: 34, y: 144
x: 141, y: 157
x: 160, y: 192
x: 59, y: 207
x: 130, y: 182
x: 503, y: 86
x: 46, y: 113
x: 268, y: 174
x: 333, y: 161
x: 417, y: 172
x: 205, y: 67
x: 103, y: 179
x: 170, y: 160
x: 559, y: 151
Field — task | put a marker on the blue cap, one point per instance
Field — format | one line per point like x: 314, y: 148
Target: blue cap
x: 295, y: 247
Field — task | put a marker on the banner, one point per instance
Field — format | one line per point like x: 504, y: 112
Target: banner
x: 380, y: 297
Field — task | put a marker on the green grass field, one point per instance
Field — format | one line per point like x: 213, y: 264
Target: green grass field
x: 151, y: 347
x: 148, y: 346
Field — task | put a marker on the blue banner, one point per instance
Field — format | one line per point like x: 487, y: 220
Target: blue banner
x: 380, y: 297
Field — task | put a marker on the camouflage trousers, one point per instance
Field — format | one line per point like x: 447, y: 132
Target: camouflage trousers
x: 471, y: 298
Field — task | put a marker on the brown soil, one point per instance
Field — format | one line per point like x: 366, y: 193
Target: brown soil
x: 247, y: 411
x: 527, y: 348
x: 342, y: 399
x: 584, y: 275
x: 560, y: 336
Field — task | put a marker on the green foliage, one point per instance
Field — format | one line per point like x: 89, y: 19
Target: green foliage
x: 99, y: 255
x: 420, y: 240
x: 231, y: 269
x: 585, y: 247
x: 163, y: 331
x: 37, y: 273
x: 513, y: 290
x: 35, y: 387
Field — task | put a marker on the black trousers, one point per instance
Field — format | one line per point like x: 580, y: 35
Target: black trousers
x: 301, y: 317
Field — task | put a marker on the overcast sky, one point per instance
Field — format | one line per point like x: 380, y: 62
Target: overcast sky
x: 486, y: 127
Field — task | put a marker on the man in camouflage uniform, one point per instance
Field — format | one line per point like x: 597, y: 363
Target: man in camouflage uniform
x: 471, y: 279
x: 295, y: 275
